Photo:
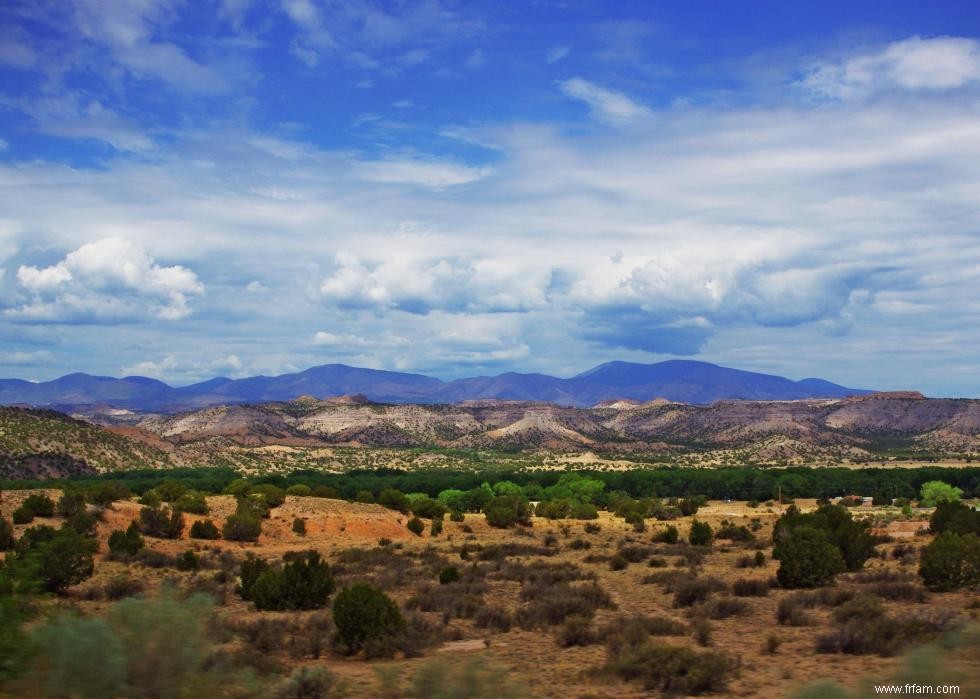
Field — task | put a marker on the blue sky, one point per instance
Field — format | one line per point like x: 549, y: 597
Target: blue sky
x: 190, y: 189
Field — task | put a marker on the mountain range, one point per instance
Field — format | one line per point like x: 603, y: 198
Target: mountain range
x: 698, y: 383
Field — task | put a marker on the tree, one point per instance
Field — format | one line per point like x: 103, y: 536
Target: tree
x: 193, y: 502
x: 807, y: 559
x: 362, y: 614
x: 59, y: 559
x: 40, y: 504
x: 128, y: 542
x: 365, y: 496
x: 273, y: 495
x: 507, y: 510
x: 951, y: 561
x: 23, y: 515
x: 393, y: 500
x: 851, y: 537
x: 416, y: 526
x: 936, y: 492
x: 453, y: 499
x: 6, y: 535
x: 205, y: 529
x: 428, y: 508
x: 955, y: 517
x: 249, y: 572
x: 161, y: 522
x: 299, y: 490
x: 242, y: 526
x: 70, y: 503
x: 585, y: 510
x: 701, y: 534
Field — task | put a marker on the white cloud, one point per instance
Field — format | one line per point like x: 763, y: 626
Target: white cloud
x: 912, y: 64
x: 476, y: 60
x: 433, y: 174
x: 557, y: 53
x: 26, y: 358
x: 605, y: 104
x: 108, y: 280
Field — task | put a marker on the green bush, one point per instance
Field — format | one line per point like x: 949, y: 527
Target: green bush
x: 584, y: 510
x: 936, y: 492
x: 955, y: 517
x: 273, y: 495
x: 58, y: 559
x: 303, y: 582
x: 126, y: 542
x: 666, y: 536
x: 250, y: 570
x: 951, y: 561
x: 507, y: 510
x: 83, y: 522
x: 205, y: 529
x: 40, y: 504
x: 673, y: 670
x: 23, y: 515
x: 326, y: 491
x: 457, y: 516
x: 365, y: 496
x: 244, y: 525
x: 701, y: 534
x: 71, y: 502
x: 449, y: 574
x: 416, y: 526
x: 437, y: 525
x: 300, y: 490
x: 193, y: 502
x: 690, y: 506
x: 849, y: 536
x: 364, y: 614
x: 161, y: 522
x: 308, y: 683
x: 807, y: 559
x: 105, y: 494
x: 7, y: 540
x: 299, y: 526
x: 554, y: 509
x: 393, y: 500
x: 188, y: 561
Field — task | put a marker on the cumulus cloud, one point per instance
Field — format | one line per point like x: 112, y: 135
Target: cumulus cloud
x: 606, y: 105
x: 420, y: 285
x: 111, y: 280
x: 916, y: 63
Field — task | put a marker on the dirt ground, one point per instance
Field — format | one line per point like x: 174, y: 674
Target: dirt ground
x: 533, y: 658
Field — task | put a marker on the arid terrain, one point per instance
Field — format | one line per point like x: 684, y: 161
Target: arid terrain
x: 371, y: 543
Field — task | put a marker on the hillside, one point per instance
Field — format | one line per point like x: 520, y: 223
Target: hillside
x: 675, y: 380
x: 43, y: 443
x: 776, y: 430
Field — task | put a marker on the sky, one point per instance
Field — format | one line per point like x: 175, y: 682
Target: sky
x: 234, y: 187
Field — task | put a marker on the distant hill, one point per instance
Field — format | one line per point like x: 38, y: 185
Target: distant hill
x: 676, y: 380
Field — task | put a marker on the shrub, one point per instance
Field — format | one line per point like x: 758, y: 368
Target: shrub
x: 307, y: 683
x: 193, y: 502
x: 701, y: 534
x: 692, y: 590
x: 553, y: 509
x: 271, y: 495
x: 299, y: 526
x: 592, y: 528
x: 457, y: 516
x: 669, y: 535
x: 299, y: 490
x: 326, y: 491
x: 449, y: 574
x: 507, y: 510
x: 760, y: 559
x: 303, y: 582
x: 250, y: 571
x: 364, y: 614
x: 188, y: 560
x: 807, y: 559
x: 750, y: 587
x: 584, y: 510
x: 690, y: 506
x: 122, y: 586
x: 23, y: 515
x: 634, y: 553
x: 40, y: 504
x: 577, y: 631
x: 205, y: 529
x: 394, y: 500
x: 83, y: 522
x: 955, y: 517
x: 416, y: 526
x: 244, y: 525
x: 951, y: 561
x: 734, y: 533
x: 851, y: 538
x: 671, y: 669
x: 59, y: 559
x: 70, y: 503
x: 935, y: 492
x: 723, y: 608
x: 579, y: 544
x: 618, y: 562
x: 494, y: 617
x: 866, y: 633
x: 436, y: 528
x: 105, y: 494
x: 772, y: 644
x: 899, y: 591
x: 550, y: 604
x: 161, y: 522
x: 7, y: 540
